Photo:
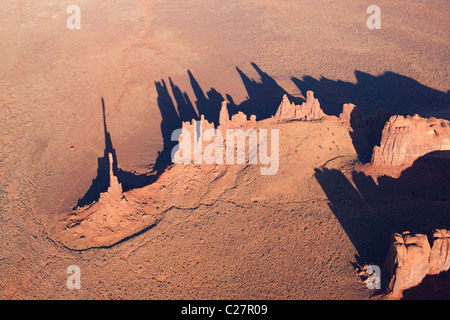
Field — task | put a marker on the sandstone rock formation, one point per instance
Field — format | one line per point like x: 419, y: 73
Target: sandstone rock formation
x: 115, y: 188
x: 118, y: 215
x: 286, y: 110
x: 407, y: 262
x: 195, y: 137
x: 309, y: 110
x: 350, y: 113
x: 224, y: 116
x: 238, y: 120
x: 404, y: 139
x: 410, y: 259
x: 115, y: 216
x: 440, y: 252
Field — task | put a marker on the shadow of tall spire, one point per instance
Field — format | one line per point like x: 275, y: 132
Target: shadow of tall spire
x: 208, y: 105
x: 263, y: 96
x: 169, y: 123
x: 390, y: 91
x: 101, y: 182
x: 108, y: 142
x: 184, y: 106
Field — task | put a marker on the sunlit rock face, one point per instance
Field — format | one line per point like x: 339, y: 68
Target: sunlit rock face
x: 309, y: 110
x: 404, y: 139
x: 411, y: 258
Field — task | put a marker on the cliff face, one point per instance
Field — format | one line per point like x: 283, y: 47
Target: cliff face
x: 411, y: 259
x: 404, y: 139
x: 440, y: 252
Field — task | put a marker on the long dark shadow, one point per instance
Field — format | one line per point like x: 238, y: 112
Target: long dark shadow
x: 169, y: 123
x: 184, y: 106
x: 418, y: 201
x: 100, y: 183
x: 432, y: 287
x: 264, y: 96
x: 377, y: 98
x: 395, y: 93
x: 209, y: 104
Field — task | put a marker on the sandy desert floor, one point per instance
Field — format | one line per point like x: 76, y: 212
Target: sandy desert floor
x: 53, y: 80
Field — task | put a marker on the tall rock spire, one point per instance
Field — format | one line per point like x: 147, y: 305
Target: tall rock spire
x: 224, y: 116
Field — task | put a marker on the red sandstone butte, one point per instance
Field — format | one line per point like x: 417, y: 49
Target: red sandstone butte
x: 411, y: 258
x: 404, y: 139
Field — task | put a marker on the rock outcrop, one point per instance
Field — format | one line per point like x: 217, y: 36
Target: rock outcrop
x: 115, y: 188
x: 115, y: 216
x: 407, y: 261
x: 224, y: 116
x: 309, y: 110
x: 195, y: 139
x: 237, y: 121
x: 350, y: 113
x: 411, y: 258
x: 404, y: 139
x: 440, y: 252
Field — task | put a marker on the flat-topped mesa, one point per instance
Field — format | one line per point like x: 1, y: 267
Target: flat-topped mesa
x: 309, y: 110
x: 411, y: 258
x: 404, y: 139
